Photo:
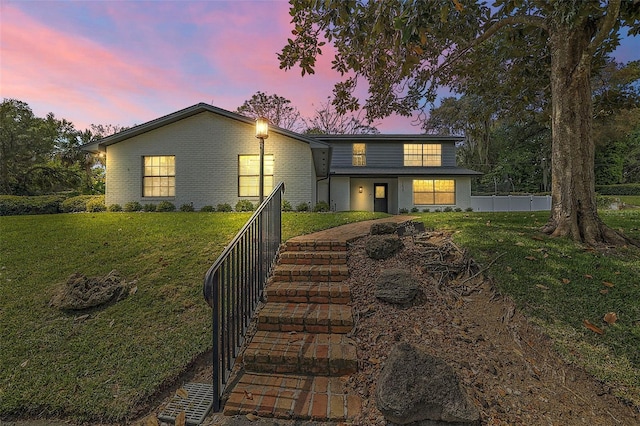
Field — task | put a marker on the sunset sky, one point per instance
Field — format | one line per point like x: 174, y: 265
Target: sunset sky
x: 128, y: 62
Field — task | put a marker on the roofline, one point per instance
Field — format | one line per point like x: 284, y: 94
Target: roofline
x: 188, y: 112
x: 386, y: 137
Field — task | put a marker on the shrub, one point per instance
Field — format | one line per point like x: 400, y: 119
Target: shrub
x: 150, y: 207
x: 286, y: 206
x: 187, y: 208
x: 403, y: 211
x: 244, y: 206
x: 76, y: 204
x: 437, y: 210
x: 115, y: 208
x: 132, y: 206
x: 414, y: 210
x: 321, y: 206
x: 11, y: 205
x: 457, y: 209
x: 166, y: 206
x: 468, y: 209
x: 425, y: 210
x: 622, y: 189
x: 226, y: 207
x: 96, y: 204
x: 448, y: 209
x: 302, y: 207
x: 208, y: 208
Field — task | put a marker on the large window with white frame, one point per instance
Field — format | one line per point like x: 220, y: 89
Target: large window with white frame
x: 359, y: 154
x: 434, y: 192
x: 249, y: 175
x: 159, y: 176
x: 422, y: 155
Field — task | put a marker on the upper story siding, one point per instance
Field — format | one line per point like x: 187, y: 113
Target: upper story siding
x: 384, y: 154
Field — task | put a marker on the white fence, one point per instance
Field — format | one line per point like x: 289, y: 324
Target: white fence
x: 510, y: 203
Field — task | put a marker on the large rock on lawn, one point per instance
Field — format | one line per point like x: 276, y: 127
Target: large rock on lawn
x: 383, y: 246
x: 82, y: 292
x: 396, y: 286
x: 382, y: 228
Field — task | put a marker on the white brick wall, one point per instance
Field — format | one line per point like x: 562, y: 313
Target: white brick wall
x: 206, y: 147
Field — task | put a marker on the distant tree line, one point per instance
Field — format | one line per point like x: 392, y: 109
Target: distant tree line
x: 42, y: 155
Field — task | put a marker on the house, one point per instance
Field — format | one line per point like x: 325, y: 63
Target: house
x: 204, y: 155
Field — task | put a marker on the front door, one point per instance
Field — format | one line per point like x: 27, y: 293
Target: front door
x: 380, y: 197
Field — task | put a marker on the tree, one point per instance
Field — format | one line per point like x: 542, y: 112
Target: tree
x: 276, y: 109
x: 327, y: 120
x: 407, y: 49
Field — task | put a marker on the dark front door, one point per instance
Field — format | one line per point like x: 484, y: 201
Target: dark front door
x: 380, y: 197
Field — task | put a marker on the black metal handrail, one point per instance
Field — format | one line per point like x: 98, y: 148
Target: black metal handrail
x: 234, y: 284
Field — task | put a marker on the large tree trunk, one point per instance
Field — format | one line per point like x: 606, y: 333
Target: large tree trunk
x: 573, y: 206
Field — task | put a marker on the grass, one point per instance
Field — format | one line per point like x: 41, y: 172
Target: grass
x: 100, y: 369
x: 559, y: 284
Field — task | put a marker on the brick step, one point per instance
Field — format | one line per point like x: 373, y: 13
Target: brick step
x: 300, y: 353
x: 319, y: 273
x: 312, y: 318
x: 293, y: 397
x: 313, y: 257
x: 315, y: 246
x: 308, y: 292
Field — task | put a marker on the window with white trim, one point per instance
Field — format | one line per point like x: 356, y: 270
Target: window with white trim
x: 159, y: 176
x: 249, y: 175
x: 434, y: 192
x: 422, y: 155
x: 359, y: 154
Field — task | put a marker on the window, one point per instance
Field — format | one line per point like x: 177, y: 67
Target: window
x: 249, y: 175
x: 422, y: 155
x: 429, y: 192
x: 359, y: 157
x: 159, y: 176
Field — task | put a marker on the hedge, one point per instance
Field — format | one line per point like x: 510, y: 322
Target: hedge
x: 622, y: 189
x: 11, y: 205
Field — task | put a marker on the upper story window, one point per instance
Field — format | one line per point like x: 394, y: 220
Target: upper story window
x: 359, y: 157
x: 422, y: 155
x: 249, y: 175
x: 159, y: 176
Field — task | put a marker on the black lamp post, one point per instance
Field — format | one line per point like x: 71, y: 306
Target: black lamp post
x: 262, y: 132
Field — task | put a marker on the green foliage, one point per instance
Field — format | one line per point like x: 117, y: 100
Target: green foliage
x: 321, y: 206
x: 224, y: 207
x: 114, y: 208
x: 132, y: 206
x: 165, y: 206
x: 404, y: 211
x: 208, y: 209
x: 11, y: 205
x: 286, y: 206
x: 187, y: 208
x: 276, y: 109
x: 426, y: 210
x: 244, y: 206
x: 447, y: 209
x: 96, y: 204
x: 414, y: 209
x: 302, y: 207
x: 623, y: 189
x: 149, y: 207
x: 78, y: 203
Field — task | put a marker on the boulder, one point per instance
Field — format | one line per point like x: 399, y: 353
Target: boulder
x: 419, y: 389
x: 396, y: 286
x: 382, y: 228
x: 383, y: 246
x: 82, y: 292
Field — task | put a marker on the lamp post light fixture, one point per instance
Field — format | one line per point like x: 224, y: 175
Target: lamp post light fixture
x: 262, y: 132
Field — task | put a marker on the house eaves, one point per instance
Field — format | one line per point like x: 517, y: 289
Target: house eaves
x: 387, y: 138
x: 403, y: 171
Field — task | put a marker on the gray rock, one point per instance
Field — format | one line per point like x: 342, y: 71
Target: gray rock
x: 419, y: 389
x: 396, y: 286
x: 382, y: 228
x: 383, y: 246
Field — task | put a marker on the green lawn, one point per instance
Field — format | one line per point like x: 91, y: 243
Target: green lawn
x: 52, y: 364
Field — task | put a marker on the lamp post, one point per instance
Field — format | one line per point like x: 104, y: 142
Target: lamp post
x: 262, y: 132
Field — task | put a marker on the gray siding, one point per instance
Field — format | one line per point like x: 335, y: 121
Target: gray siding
x: 384, y: 154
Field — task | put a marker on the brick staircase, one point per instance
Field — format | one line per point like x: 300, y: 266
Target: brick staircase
x: 294, y: 363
